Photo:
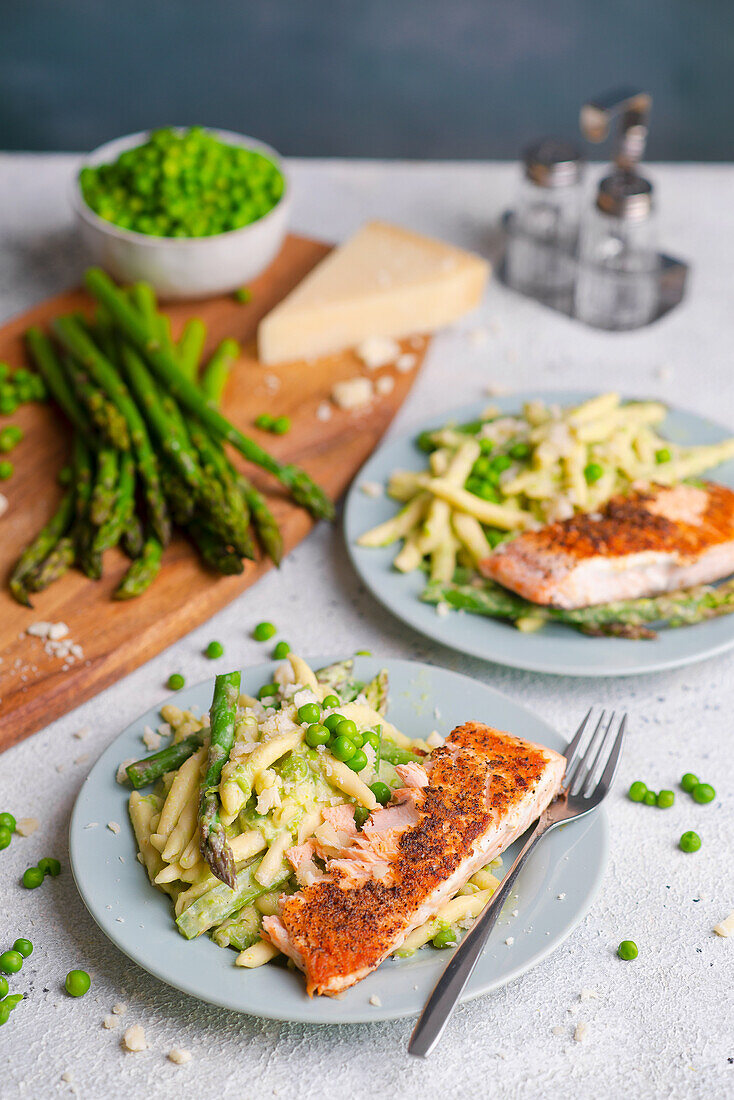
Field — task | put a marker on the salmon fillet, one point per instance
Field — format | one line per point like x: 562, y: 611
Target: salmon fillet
x: 476, y: 794
x: 652, y: 541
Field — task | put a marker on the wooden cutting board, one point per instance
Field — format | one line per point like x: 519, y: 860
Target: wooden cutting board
x: 36, y: 688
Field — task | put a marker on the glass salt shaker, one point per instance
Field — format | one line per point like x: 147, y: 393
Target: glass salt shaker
x: 617, y: 285
x: 544, y: 226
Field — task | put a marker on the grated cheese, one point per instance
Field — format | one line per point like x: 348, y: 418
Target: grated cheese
x: 726, y: 928
x: 134, y: 1039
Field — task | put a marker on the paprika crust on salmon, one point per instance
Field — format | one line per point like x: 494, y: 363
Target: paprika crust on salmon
x: 364, y: 892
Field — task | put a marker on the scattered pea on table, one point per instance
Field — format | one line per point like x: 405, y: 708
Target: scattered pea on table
x: 665, y: 799
x: 7, y: 821
x: 690, y: 842
x: 32, y: 877
x: 264, y: 631
x: 4, y: 987
x: 688, y: 782
x: 5, y: 837
x: 6, y: 470
x: 637, y: 791
x: 243, y: 295
x: 214, y: 650
x: 77, y: 983
x: 49, y: 866
x: 627, y: 950
x: 264, y: 422
x: 281, y: 426
x: 175, y: 681
x: 650, y: 798
x: 282, y: 650
x: 703, y: 793
x: 23, y: 947
x: 11, y: 962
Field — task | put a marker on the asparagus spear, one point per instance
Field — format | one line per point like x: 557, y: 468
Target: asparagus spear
x: 44, y: 356
x: 142, y: 572
x: 72, y: 335
x: 179, y: 497
x: 266, y: 527
x: 146, y: 771
x: 336, y: 676
x: 221, y: 901
x: 674, y: 608
x: 231, y: 517
x: 104, y: 493
x: 303, y: 489
x: 190, y: 347
x: 111, y: 531
x: 58, y: 562
x: 107, y: 419
x: 216, y: 372
x: 216, y: 555
x: 83, y: 531
x: 395, y: 755
x: 376, y: 692
x: 214, y: 847
x: 132, y: 537
x: 36, y: 553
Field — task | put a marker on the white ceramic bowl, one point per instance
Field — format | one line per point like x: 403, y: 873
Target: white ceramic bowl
x: 178, y: 267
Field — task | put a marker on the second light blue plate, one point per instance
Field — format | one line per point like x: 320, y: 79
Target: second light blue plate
x: 556, y: 648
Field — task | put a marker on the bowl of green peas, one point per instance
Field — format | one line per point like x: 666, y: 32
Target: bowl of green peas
x: 195, y: 212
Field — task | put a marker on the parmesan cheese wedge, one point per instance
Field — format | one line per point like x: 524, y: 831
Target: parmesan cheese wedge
x: 383, y: 282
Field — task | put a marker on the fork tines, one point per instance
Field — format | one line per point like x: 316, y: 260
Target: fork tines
x: 597, y: 745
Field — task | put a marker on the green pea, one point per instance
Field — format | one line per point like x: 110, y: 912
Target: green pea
x: 482, y: 466
x: 49, y: 866
x: 445, y: 938
x: 6, y: 470
x: 663, y: 455
x: 282, y: 425
x: 363, y: 653
x: 520, y: 451
x: 13, y: 1000
x: 77, y: 983
x: 358, y: 762
x: 330, y: 701
x: 7, y: 821
x: 243, y: 295
x: 281, y: 650
x: 488, y: 492
x: 25, y: 947
x: 689, y: 842
x: 4, y: 1012
x: 500, y: 463
x: 10, y: 437
x: 309, y: 712
x: 592, y: 472
x: 5, y: 837
x: 317, y: 735
x: 214, y: 650
x: 627, y: 950
x: 486, y: 446
x: 344, y: 749
x: 361, y: 813
x: 32, y: 877
x: 637, y: 791
x: 175, y: 681
x: 650, y: 798
x: 665, y: 799
x: 264, y: 422
x: 333, y: 720
x: 263, y: 632
x: 267, y: 691
x: 11, y: 962
x: 346, y: 728
x: 689, y: 781
x: 381, y: 791
x: 370, y: 737
x: 4, y: 987
x: 703, y: 793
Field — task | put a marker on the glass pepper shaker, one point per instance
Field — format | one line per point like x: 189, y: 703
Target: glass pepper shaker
x: 544, y: 227
x: 617, y: 285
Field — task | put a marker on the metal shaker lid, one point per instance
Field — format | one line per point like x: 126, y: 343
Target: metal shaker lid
x: 553, y: 162
x: 625, y: 195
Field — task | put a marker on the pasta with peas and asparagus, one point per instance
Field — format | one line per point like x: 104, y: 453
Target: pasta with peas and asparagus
x: 500, y: 476
x: 238, y: 788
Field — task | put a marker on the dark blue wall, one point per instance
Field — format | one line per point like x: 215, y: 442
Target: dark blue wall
x: 414, y: 78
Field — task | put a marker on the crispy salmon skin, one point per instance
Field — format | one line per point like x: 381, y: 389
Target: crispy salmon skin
x: 654, y: 540
x: 477, y: 792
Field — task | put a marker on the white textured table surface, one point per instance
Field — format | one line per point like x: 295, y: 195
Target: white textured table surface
x: 661, y: 1026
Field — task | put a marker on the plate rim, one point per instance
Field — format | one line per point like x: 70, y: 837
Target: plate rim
x: 359, y: 1014
x: 536, y: 665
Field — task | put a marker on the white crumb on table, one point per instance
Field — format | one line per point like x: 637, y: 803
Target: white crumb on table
x: 91, y: 825
x: 272, y: 382
x: 60, y: 768
x: 80, y: 734
x: 377, y: 351
x: 120, y: 1008
x: 3, y: 504
x: 324, y: 412
x: 510, y: 940
x: 372, y: 489
x: 178, y: 1056
x: 588, y: 995
x: 581, y: 1031
x: 495, y: 389
x: 114, y: 827
x: 27, y: 826
x: 134, y: 1039
x: 353, y: 393
x: 726, y: 927
x: 375, y: 1000
x: 110, y: 1022
x: 83, y: 759
x: 406, y: 362
x: 478, y: 336
x: 385, y: 384
x: 560, y: 897
x: 558, y: 1030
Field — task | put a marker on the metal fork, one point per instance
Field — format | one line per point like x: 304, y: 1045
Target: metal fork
x: 580, y: 793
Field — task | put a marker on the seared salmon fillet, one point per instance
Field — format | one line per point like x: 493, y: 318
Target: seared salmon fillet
x: 652, y: 541
x: 476, y: 793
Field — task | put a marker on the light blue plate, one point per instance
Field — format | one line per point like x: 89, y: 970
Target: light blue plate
x: 138, y: 918
x: 556, y: 648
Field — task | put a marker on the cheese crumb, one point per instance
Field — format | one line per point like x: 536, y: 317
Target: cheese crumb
x: 27, y: 826
x: 434, y: 739
x: 372, y: 489
x: 557, y: 1030
x: 113, y: 827
x: 560, y: 897
x: 377, y: 351
x: 111, y: 1022
x: 406, y: 362
x: 121, y: 772
x: 375, y: 1000
x: 119, y: 1009
x: 134, y: 1039
x: 67, y: 1077
x: 478, y: 337
x: 385, y: 384
x: 151, y: 739
x: 353, y: 393
x: 180, y: 1057
x: 82, y: 733
x: 3, y: 504
x: 588, y: 995
x: 442, y: 609
x: 57, y: 631
x: 726, y: 928
x: 580, y: 1031
x: 510, y: 940
x: 324, y: 411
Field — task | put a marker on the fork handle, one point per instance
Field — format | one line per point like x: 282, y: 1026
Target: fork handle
x: 459, y: 969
